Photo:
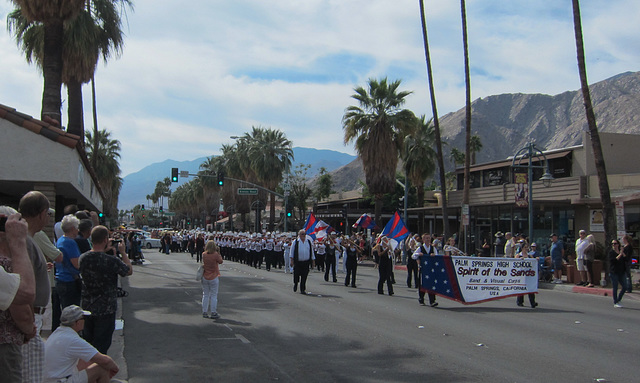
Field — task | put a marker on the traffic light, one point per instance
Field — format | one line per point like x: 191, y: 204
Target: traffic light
x: 100, y: 215
x: 142, y: 208
x: 288, y: 209
x: 174, y: 174
x: 220, y: 178
x: 161, y: 209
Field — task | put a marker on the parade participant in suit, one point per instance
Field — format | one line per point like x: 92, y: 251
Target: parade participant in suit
x: 302, y: 257
x: 426, y: 249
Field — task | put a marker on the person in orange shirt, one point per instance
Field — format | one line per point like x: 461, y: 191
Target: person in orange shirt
x: 211, y: 259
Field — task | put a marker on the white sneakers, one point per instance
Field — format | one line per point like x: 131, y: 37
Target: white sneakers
x: 617, y: 305
x: 557, y: 281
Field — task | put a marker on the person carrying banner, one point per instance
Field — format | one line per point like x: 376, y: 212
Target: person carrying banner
x: 425, y: 250
x: 525, y: 253
x: 301, y: 256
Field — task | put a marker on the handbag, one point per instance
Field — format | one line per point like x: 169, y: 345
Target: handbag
x: 199, y: 273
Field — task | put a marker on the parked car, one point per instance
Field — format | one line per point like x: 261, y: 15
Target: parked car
x: 148, y: 242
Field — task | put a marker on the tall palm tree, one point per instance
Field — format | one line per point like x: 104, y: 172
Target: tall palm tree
x: 378, y: 126
x: 419, y: 160
x: 436, y: 124
x: 94, y: 32
x: 467, y: 81
x: 271, y: 155
x: 52, y: 15
x: 608, y: 211
x: 108, y: 171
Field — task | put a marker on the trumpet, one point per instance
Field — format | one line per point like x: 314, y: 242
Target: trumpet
x: 347, y: 241
x: 454, y: 250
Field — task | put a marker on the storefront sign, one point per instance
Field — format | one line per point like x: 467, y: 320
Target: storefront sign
x: 473, y: 280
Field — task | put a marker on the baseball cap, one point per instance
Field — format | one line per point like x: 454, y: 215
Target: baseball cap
x: 553, y: 235
x: 534, y: 245
x: 71, y: 314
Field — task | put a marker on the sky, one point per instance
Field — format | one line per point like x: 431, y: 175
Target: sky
x: 194, y: 73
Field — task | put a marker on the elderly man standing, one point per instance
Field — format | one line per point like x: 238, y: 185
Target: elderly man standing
x: 100, y: 272
x: 68, y: 284
x: 34, y: 207
x: 302, y: 258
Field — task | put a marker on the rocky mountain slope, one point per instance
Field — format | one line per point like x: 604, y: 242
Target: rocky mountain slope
x: 506, y: 122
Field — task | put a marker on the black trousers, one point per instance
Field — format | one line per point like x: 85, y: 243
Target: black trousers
x: 532, y: 299
x: 412, y: 270
x: 330, y: 263
x: 384, y: 275
x: 352, y: 266
x: 300, y: 274
x: 98, y: 331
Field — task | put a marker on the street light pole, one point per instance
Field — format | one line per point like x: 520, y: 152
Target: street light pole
x: 530, y: 152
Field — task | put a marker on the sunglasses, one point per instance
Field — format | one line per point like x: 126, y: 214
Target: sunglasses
x: 615, y: 243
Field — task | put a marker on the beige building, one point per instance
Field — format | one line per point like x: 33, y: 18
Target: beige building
x: 40, y: 156
x: 570, y: 204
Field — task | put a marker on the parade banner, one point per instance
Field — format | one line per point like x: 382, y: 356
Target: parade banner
x: 521, y: 191
x: 472, y: 280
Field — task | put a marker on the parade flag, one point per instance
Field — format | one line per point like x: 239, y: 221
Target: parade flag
x: 366, y: 222
x: 310, y: 225
x: 395, y: 230
x: 316, y: 229
x: 321, y: 230
x: 471, y: 280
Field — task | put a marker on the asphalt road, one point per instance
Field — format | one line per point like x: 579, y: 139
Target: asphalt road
x: 268, y: 333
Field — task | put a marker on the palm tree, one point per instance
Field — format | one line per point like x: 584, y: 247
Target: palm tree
x: 52, y: 15
x: 108, y: 169
x: 419, y: 159
x: 467, y: 80
x: 94, y: 32
x: 378, y: 126
x: 270, y: 154
x: 457, y: 157
x: 608, y: 211
x: 436, y: 124
x: 475, y: 146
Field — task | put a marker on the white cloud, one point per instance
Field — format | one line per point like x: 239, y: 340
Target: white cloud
x: 194, y: 73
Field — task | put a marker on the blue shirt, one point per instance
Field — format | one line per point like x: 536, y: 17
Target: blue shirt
x: 65, y: 271
x: 556, y: 250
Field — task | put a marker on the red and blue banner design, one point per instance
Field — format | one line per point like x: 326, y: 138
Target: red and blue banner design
x: 396, y: 229
x: 316, y: 229
x: 310, y: 225
x: 366, y: 222
x: 472, y: 280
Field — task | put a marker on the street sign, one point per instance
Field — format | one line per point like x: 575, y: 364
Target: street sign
x: 247, y: 191
x: 169, y: 213
x: 465, y: 215
x: 184, y: 173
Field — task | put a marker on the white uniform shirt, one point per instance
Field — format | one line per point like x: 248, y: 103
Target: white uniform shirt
x: 303, y: 249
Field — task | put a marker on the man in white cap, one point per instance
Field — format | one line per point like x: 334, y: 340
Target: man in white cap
x: 69, y: 358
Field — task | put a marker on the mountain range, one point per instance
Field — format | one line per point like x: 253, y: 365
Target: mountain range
x: 136, y: 186
x: 507, y: 122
